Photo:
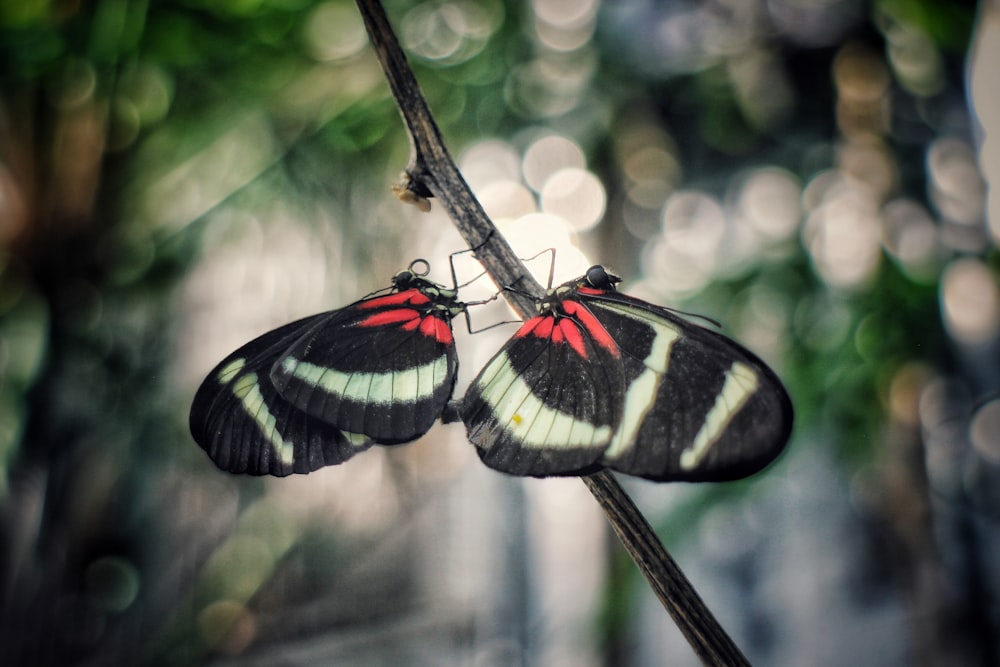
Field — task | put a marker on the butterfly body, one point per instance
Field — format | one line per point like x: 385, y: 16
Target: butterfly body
x: 318, y: 391
x: 598, y: 379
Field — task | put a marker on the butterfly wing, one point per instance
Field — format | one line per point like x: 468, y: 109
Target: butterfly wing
x: 540, y: 406
x: 697, y: 406
x: 239, y: 419
x: 384, y: 366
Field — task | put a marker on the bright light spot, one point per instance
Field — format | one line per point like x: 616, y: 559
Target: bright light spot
x: 970, y: 300
x: 957, y: 188
x: 763, y: 320
x: 984, y: 56
x: 915, y: 59
x: 770, y: 202
x: 843, y: 236
x: 909, y: 235
x: 565, y: 13
x: 532, y: 234
x: 942, y: 403
x: 570, y: 558
x: 905, y: 391
x: 149, y: 88
x: 451, y: 32
x: 811, y: 22
x: 984, y: 431
x: 862, y: 86
x: 860, y: 74
x: 227, y: 626
x: 563, y: 39
x: 652, y: 173
x: 821, y: 186
x: 823, y: 322
x: 693, y: 225
x: 504, y: 199
x: 334, y: 31
x: 762, y: 88
x: 672, y: 272
x: 576, y: 195
x: 240, y: 566
x: 869, y: 165
x: 549, y: 85
x: 546, y: 156
x: 564, y: 25
x: 254, y: 276
x: 489, y: 161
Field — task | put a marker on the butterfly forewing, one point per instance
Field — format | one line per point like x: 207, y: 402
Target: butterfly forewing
x: 386, y: 370
x: 239, y: 420
x: 698, y: 407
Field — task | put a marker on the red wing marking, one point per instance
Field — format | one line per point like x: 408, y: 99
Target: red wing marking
x: 413, y: 296
x: 528, y: 326
x: 567, y: 329
x: 544, y: 328
x: 558, y: 330
x: 591, y: 324
x: 593, y: 291
x: 392, y: 316
x: 411, y: 320
x: 437, y: 329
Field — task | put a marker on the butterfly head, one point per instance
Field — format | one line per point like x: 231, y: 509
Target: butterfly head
x: 443, y: 301
x: 412, y: 276
x: 597, y: 277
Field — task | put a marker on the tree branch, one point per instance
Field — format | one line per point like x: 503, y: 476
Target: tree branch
x: 431, y: 170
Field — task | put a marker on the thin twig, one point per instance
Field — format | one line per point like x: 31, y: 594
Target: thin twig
x: 431, y: 170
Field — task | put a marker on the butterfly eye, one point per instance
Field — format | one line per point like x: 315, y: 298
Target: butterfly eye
x: 598, y: 277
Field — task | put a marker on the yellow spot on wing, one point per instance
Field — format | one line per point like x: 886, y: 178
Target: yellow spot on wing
x: 527, y: 418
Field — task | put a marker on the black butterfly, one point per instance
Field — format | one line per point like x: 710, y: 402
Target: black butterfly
x: 598, y: 379
x: 317, y: 391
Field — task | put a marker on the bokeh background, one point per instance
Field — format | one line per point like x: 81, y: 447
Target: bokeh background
x: 178, y: 176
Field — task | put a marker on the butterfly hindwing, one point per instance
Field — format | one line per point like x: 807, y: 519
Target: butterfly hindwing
x: 540, y: 407
x: 386, y: 369
x: 238, y: 418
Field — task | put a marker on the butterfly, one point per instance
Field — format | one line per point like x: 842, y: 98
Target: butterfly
x: 599, y: 379
x: 317, y: 391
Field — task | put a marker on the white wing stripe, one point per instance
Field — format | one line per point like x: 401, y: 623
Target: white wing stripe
x: 641, y: 394
x: 406, y: 386
x: 526, y: 417
x: 248, y: 392
x: 741, y: 383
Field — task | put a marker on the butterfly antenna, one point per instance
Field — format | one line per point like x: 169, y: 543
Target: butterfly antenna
x: 473, y: 250
x: 696, y: 316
